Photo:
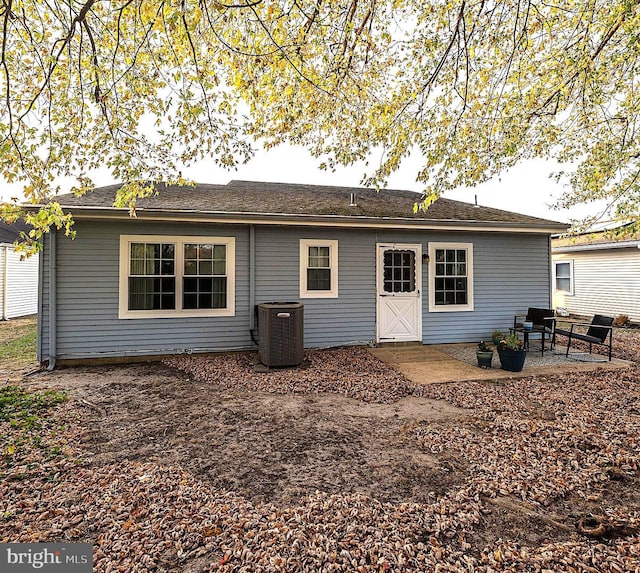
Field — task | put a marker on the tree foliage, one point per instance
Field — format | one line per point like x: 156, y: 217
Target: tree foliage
x: 143, y: 87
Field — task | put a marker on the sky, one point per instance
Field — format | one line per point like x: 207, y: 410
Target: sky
x: 525, y: 188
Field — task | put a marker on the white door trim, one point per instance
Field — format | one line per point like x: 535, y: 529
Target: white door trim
x: 411, y: 303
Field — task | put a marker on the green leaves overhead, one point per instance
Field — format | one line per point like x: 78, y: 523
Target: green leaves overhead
x: 144, y: 87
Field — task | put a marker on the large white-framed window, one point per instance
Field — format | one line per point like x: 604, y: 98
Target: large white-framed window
x: 563, y: 276
x: 450, y: 277
x: 165, y: 276
x: 318, y: 268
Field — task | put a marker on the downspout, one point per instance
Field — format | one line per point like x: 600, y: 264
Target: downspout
x: 40, y: 303
x: 52, y: 300
x: 252, y: 278
x: 551, y: 285
x: 5, y: 281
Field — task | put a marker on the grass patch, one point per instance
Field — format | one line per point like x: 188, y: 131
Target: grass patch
x: 18, y: 343
x: 20, y: 349
x: 25, y: 423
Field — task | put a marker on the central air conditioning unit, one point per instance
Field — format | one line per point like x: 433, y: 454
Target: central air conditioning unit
x: 281, y: 333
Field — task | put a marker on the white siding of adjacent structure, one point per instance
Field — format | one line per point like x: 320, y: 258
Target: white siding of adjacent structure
x: 18, y: 284
x: 606, y: 282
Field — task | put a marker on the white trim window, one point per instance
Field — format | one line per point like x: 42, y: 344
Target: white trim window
x: 563, y: 276
x: 172, y: 277
x: 318, y: 268
x: 450, y: 277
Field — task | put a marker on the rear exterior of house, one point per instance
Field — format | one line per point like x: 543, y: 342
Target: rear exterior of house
x: 18, y: 276
x: 597, y: 275
x: 173, y: 281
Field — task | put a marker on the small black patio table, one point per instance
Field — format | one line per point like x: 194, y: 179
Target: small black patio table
x: 526, y: 332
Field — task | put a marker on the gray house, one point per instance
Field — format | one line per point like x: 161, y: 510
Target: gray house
x: 186, y: 273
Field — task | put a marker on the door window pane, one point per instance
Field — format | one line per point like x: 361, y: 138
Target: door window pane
x: 399, y: 271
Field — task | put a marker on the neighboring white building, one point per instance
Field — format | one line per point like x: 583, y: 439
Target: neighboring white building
x: 597, y: 273
x: 18, y: 278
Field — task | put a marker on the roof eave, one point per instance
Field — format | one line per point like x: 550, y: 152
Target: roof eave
x: 596, y: 247
x: 239, y: 217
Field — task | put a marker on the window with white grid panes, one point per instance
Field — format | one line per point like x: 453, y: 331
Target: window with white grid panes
x: 205, y: 280
x: 173, y: 276
x: 450, y: 277
x: 152, y: 282
x: 318, y: 268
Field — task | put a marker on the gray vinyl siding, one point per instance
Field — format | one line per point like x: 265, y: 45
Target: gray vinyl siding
x: 511, y: 273
x: 87, y: 298
x: 348, y: 319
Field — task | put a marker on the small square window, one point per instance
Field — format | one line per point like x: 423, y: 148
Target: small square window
x: 318, y: 268
x: 563, y: 277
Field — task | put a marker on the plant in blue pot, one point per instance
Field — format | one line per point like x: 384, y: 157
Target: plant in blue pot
x: 512, y: 353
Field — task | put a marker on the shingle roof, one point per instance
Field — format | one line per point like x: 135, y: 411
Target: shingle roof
x: 597, y: 240
x: 9, y: 233
x: 251, y: 197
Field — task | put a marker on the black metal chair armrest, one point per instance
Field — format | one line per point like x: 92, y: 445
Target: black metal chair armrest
x: 589, y: 324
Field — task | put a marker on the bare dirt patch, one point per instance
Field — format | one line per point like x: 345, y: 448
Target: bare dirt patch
x: 264, y: 446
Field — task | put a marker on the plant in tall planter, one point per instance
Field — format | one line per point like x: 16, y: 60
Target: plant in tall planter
x: 512, y: 353
x: 497, y: 336
x: 484, y: 355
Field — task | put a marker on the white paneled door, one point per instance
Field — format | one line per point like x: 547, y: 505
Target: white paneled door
x: 399, y: 292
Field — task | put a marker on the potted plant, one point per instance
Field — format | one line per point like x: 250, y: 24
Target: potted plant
x: 497, y: 336
x: 484, y: 354
x: 512, y: 353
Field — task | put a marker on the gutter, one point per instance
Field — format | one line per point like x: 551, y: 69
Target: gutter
x: 596, y: 247
x: 84, y: 212
x: 52, y: 301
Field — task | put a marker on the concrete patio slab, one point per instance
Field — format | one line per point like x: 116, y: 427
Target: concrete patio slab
x: 433, y: 364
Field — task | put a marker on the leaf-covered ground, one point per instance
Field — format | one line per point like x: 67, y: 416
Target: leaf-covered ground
x: 165, y: 471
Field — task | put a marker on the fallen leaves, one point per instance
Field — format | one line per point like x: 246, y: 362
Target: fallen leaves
x: 351, y: 371
x: 535, y: 442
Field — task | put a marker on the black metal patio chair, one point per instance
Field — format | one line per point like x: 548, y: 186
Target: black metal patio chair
x: 543, y: 322
x: 598, y: 330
